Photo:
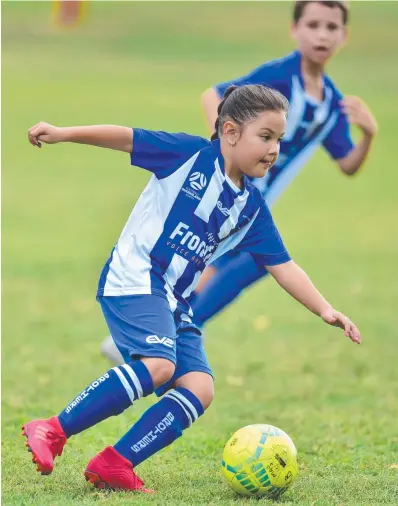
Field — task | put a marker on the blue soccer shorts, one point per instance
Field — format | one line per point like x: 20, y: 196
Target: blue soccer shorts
x: 145, y: 326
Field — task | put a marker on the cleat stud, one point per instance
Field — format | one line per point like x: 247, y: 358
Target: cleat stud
x: 94, y: 479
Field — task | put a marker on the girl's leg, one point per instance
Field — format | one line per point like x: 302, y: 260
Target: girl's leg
x: 187, y: 395
x: 166, y: 420
x: 134, y: 321
x: 114, y: 392
x: 109, y: 395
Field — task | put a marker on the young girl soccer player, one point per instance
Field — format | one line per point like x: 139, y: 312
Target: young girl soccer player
x: 319, y: 116
x: 198, y: 205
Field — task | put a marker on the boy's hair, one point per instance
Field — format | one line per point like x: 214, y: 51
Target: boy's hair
x: 243, y: 103
x: 299, y: 7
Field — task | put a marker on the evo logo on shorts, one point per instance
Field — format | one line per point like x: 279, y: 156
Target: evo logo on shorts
x: 166, y: 341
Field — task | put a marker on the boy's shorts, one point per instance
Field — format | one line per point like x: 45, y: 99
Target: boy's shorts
x: 144, y: 326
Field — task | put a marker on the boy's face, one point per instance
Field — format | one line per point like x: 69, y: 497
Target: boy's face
x: 319, y: 32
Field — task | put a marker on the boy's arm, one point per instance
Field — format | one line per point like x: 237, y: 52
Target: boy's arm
x: 210, y: 101
x: 351, y: 163
x: 358, y: 114
x: 105, y: 136
x: 296, y: 282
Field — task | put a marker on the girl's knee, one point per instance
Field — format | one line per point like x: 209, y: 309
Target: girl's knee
x: 200, y: 384
x: 207, y: 395
x: 160, y: 369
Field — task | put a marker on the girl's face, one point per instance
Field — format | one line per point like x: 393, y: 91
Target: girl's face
x: 254, y: 147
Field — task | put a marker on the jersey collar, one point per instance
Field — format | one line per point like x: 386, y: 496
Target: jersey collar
x: 217, y: 156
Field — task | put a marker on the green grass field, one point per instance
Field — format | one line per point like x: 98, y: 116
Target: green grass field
x: 63, y: 208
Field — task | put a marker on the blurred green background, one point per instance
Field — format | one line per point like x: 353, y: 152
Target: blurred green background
x: 146, y: 64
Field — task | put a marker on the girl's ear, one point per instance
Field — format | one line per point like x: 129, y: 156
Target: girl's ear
x: 231, y: 132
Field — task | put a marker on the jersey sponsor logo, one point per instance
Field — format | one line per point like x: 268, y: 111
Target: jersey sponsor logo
x: 166, y: 341
x: 188, y: 244
x: 197, y: 181
x: 223, y: 210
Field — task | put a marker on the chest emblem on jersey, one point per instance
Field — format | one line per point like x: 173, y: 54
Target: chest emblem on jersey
x: 195, y: 185
x: 197, y: 181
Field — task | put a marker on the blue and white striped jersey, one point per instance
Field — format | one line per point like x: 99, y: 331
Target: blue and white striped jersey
x: 310, y: 123
x: 189, y: 214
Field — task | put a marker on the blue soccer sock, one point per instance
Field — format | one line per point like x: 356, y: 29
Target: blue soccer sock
x: 107, y: 396
x: 226, y: 284
x: 160, y: 425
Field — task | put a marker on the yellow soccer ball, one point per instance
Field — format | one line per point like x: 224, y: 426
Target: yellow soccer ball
x: 260, y: 460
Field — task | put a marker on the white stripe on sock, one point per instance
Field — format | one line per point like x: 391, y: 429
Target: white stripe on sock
x: 182, y: 406
x: 134, y: 379
x: 187, y: 403
x: 125, y: 383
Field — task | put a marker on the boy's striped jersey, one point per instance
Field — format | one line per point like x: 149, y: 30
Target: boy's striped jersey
x: 310, y: 123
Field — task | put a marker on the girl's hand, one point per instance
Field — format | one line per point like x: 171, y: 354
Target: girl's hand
x: 337, y: 319
x: 360, y: 115
x: 44, y: 132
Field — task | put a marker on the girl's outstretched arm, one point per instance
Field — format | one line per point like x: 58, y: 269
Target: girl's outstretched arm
x: 296, y: 282
x: 104, y: 136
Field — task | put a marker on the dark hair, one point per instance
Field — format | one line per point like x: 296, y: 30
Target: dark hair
x: 243, y: 103
x: 300, y: 5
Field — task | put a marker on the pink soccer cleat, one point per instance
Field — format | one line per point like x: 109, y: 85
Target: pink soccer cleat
x: 46, y: 440
x: 109, y: 469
